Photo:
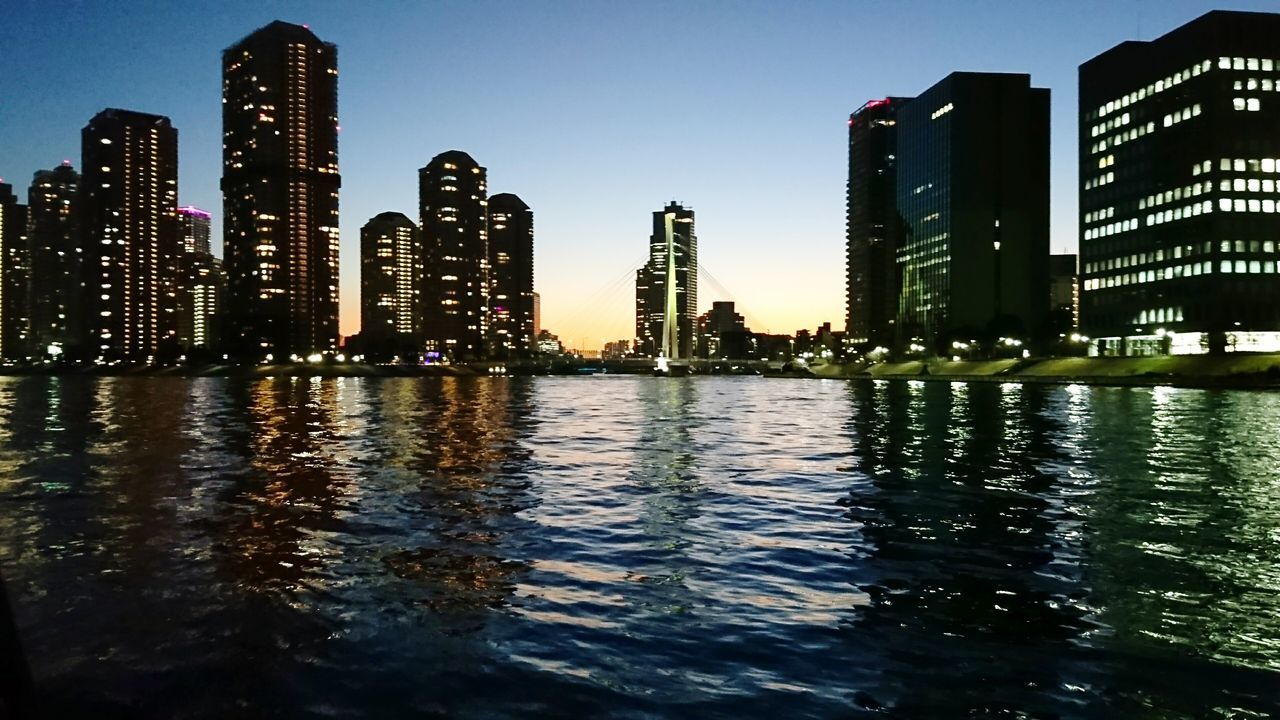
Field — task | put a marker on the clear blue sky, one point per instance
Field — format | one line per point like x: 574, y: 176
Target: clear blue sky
x: 596, y: 113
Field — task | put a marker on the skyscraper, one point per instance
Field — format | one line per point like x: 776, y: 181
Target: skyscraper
x: 1064, y: 292
x: 199, y: 281
x: 129, y: 197
x: 390, y: 279
x: 667, y: 286
x: 1180, y: 190
x: 280, y: 192
x: 452, y: 201
x: 56, y: 252
x: 973, y: 194
x: 14, y: 320
x: 872, y: 222
x: 510, y: 276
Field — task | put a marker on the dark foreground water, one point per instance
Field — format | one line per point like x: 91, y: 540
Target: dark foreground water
x: 641, y: 547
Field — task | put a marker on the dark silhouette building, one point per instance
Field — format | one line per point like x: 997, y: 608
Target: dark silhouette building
x: 973, y: 196
x: 199, y: 281
x: 674, y: 245
x: 56, y: 254
x: 280, y: 193
x: 723, y: 334
x: 390, y: 281
x: 1064, y: 292
x: 14, y: 262
x: 1179, y: 173
x: 872, y: 223
x: 452, y: 200
x: 128, y: 198
x: 510, y: 276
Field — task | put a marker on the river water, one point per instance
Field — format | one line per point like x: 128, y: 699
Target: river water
x: 641, y: 547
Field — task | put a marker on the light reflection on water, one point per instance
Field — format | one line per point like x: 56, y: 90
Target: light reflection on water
x: 643, y: 547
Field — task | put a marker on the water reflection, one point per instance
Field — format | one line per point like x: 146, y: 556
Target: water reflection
x: 640, y: 547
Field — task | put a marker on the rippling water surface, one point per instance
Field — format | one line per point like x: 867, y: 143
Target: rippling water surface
x: 641, y: 547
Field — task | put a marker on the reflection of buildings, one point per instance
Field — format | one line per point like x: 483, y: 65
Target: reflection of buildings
x: 973, y: 194
x: 1179, y: 170
x: 280, y: 192
x: 14, y: 264
x: 452, y: 200
x: 55, y: 258
x: 128, y: 198
x: 872, y: 222
x: 660, y: 306
x: 511, y: 276
x: 961, y: 554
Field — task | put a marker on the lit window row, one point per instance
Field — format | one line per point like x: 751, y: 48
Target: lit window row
x: 1249, y: 185
x: 1250, y: 164
x: 1249, y: 104
x: 1109, y: 125
x: 1242, y: 63
x: 1102, y: 214
x: 1252, y: 246
x: 1185, y: 113
x: 1111, y: 229
x: 942, y: 111
x: 1124, y: 137
x: 1161, y: 198
x: 1180, y: 213
x: 1107, y: 161
x: 1241, y: 205
x: 1250, y: 267
x: 1099, y: 181
x: 1159, y: 315
x: 1158, y: 86
x: 1146, y: 276
x: 1265, y: 84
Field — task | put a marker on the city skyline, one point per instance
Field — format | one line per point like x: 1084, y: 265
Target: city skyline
x: 578, y: 149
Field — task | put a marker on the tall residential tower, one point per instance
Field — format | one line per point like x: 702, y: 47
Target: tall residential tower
x: 872, y: 223
x: 56, y: 252
x: 511, y: 276
x: 667, y: 286
x: 453, y: 207
x: 129, y: 196
x: 390, y: 280
x: 280, y: 192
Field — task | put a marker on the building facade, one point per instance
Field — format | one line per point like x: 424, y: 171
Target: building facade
x: 391, y: 279
x: 667, y: 286
x: 872, y: 225
x: 199, y: 281
x: 280, y: 184
x: 1064, y: 291
x: 128, y: 199
x: 14, y: 272
x: 453, y: 209
x: 511, y: 277
x: 973, y: 197
x: 56, y: 253
x: 1180, y: 190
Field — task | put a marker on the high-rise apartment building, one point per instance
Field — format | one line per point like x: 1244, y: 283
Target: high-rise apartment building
x: 453, y: 207
x: 56, y: 252
x: 14, y: 262
x: 667, y: 286
x: 199, y: 281
x: 280, y: 192
x: 872, y: 226
x: 973, y: 196
x: 1180, y: 190
x: 510, y: 277
x: 390, y: 279
x: 129, y: 197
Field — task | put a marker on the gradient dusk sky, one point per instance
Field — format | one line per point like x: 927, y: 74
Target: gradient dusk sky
x: 595, y: 113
